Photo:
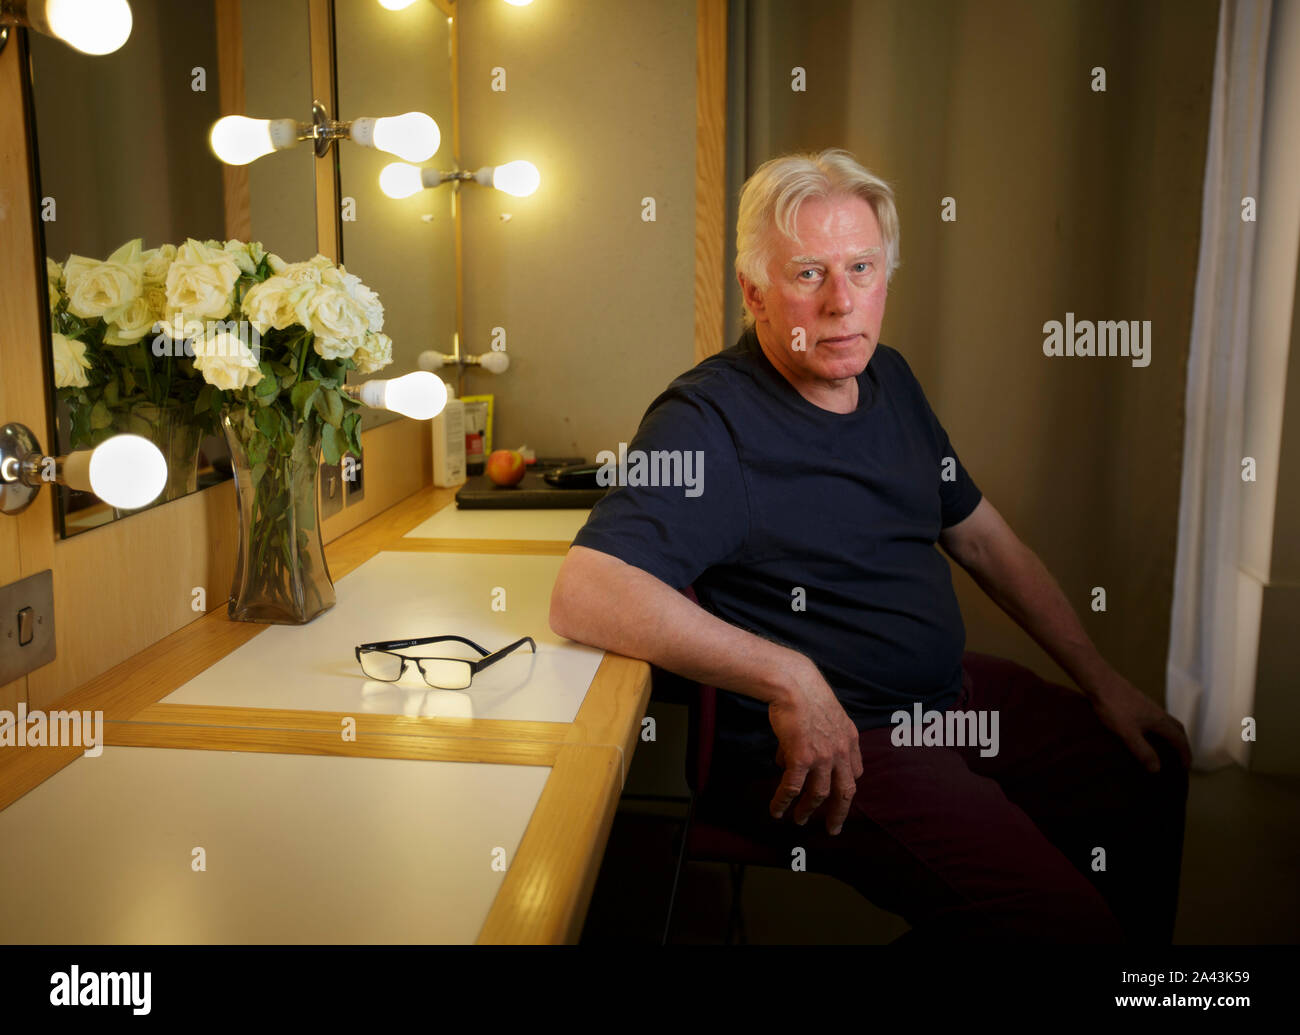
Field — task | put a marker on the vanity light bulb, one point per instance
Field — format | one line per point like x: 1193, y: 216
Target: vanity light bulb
x: 519, y: 3
x: 400, y: 180
x: 413, y: 136
x: 420, y: 395
x: 238, y: 140
x: 517, y: 178
x: 90, y: 26
x: 127, y: 471
x: 395, y: 5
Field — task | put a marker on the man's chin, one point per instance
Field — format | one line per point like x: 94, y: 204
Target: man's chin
x: 843, y: 364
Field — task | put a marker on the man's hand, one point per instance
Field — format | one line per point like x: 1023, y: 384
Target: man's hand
x: 819, y: 752
x: 1127, y: 711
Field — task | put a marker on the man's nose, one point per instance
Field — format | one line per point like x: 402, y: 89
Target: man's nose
x: 839, y: 293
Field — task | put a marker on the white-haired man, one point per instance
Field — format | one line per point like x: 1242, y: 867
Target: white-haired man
x: 825, y: 612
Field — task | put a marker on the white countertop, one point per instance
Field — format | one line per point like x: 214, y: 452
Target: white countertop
x: 532, y: 524
x: 400, y: 595
x: 300, y: 849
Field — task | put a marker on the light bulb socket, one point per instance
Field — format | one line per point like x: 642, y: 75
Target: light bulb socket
x: 21, y: 460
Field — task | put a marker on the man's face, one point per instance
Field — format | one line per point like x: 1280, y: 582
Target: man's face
x: 832, y: 285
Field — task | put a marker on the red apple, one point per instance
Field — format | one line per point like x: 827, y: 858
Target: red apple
x: 505, y: 467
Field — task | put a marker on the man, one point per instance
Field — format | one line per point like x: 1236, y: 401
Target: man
x: 826, y: 614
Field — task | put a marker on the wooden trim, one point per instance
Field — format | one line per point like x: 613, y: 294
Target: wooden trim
x: 544, y: 897
x: 710, y: 173
x: 453, y: 748
x: 609, y: 716
x: 456, y: 221
x: 329, y: 234
x: 524, y: 547
x: 230, y: 74
x: 367, y: 724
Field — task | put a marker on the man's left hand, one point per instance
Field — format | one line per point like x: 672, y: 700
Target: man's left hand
x: 1129, y: 713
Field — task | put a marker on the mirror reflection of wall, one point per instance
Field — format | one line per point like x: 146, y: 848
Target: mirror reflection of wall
x: 122, y: 153
x: 389, y: 63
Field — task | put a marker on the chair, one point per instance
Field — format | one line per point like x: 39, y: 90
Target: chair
x: 704, y: 837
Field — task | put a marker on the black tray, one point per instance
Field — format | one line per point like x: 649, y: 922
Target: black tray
x: 478, y: 493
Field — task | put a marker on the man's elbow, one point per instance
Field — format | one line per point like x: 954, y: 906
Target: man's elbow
x: 565, y: 616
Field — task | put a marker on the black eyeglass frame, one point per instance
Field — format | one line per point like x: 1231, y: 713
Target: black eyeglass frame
x: 475, y: 667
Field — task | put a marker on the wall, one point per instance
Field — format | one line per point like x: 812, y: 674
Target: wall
x: 597, y: 305
x: 1067, y: 200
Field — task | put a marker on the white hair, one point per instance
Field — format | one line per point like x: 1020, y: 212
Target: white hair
x: 770, y: 201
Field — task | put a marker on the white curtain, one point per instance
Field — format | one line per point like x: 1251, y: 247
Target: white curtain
x: 1214, y: 631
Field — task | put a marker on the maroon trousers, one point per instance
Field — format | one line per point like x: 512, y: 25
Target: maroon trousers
x: 1062, y: 836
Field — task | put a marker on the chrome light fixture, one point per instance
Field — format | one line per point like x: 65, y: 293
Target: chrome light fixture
x: 126, y: 471
x: 238, y: 140
x: 400, y: 180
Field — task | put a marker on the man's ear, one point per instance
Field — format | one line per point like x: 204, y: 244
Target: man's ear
x: 753, y: 297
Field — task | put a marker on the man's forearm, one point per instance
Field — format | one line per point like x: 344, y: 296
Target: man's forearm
x: 601, y: 601
x: 1018, y: 582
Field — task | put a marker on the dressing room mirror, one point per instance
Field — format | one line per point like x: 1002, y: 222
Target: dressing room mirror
x: 121, y: 145
x: 388, y: 63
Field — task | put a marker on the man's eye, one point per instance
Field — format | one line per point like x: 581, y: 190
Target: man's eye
x: 802, y: 272
x: 864, y: 266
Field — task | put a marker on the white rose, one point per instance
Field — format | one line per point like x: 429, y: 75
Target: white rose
x: 336, y: 320
x: 96, y: 287
x: 53, y: 277
x: 200, y: 282
x: 238, y: 251
x: 129, y: 323
x: 276, y: 263
x: 70, y: 362
x: 275, y: 303
x: 366, y: 299
x: 157, y: 261
x: 226, y: 361
x: 375, y: 353
x: 301, y: 273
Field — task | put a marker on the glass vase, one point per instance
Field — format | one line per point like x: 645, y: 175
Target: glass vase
x: 280, y: 571
x: 172, y: 429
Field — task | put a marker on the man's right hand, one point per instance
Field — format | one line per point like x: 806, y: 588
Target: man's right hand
x: 819, y: 752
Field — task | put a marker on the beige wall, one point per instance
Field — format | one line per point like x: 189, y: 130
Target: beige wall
x: 597, y: 305
x: 1067, y: 200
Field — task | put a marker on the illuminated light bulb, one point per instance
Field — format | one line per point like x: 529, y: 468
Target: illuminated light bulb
x: 126, y: 471
x: 400, y: 180
x: 518, y: 178
x: 420, y: 395
x: 90, y: 26
x: 414, y: 136
x: 395, y: 5
x: 514, y: 3
x: 238, y: 140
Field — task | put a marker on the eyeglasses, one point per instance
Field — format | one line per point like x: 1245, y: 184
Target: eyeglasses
x: 378, y: 662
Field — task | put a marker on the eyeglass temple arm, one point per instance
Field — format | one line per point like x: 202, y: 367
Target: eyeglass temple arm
x: 390, y: 644
x: 479, y: 666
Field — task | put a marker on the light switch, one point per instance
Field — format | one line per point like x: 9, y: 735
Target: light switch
x: 26, y: 619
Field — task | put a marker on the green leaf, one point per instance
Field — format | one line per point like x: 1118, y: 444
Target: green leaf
x: 259, y: 470
x: 351, y: 431
x: 99, y: 416
x: 301, y: 397
x: 110, y: 393
x: 268, y: 422
x: 330, y: 407
x: 333, y: 444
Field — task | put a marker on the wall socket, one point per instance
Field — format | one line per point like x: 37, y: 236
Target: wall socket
x: 26, y: 625
x: 331, y: 490
x: 354, y: 482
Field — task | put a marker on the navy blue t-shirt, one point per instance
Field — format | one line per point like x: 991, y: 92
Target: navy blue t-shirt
x: 813, y: 529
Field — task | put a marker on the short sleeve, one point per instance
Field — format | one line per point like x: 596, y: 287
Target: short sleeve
x: 680, y: 503
x: 959, y: 494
